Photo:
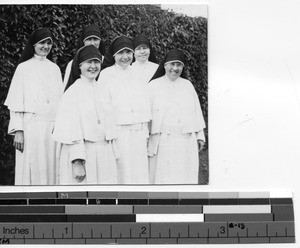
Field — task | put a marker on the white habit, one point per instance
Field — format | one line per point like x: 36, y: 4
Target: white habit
x: 131, y: 104
x: 177, y: 123
x: 68, y: 72
x: 85, y: 127
x: 32, y: 99
x: 144, y: 71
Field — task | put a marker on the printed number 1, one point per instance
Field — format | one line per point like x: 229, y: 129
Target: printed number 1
x: 66, y: 230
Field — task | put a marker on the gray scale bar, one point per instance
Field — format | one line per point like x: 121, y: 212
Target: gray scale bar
x: 237, y: 217
x: 163, y: 195
x: 72, y: 195
x: 283, y: 217
x: 132, y: 195
x: 168, y: 209
x: 282, y: 209
x: 32, y: 209
x: 105, y: 195
x: 98, y: 209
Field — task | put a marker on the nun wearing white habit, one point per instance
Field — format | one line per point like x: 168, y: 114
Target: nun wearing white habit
x: 145, y: 64
x: 131, y: 105
x: 90, y: 35
x: 177, y: 124
x: 85, y: 126
x: 32, y: 99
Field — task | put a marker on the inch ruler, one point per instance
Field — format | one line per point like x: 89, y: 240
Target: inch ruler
x: 146, y: 218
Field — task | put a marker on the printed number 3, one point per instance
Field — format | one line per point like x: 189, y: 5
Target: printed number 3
x: 222, y: 229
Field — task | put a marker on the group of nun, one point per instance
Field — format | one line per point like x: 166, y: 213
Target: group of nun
x: 118, y: 117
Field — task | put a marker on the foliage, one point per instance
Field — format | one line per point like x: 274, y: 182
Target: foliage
x: 167, y: 30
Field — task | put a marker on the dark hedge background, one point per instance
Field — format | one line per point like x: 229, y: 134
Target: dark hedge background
x: 167, y: 30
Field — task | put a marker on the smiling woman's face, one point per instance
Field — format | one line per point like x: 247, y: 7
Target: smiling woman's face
x: 142, y: 53
x: 124, y: 58
x: 173, y: 70
x: 90, y: 68
x: 43, y: 48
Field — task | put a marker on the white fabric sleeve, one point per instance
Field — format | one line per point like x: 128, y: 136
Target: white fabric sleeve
x: 200, y: 135
x: 16, y: 122
x: 77, y: 151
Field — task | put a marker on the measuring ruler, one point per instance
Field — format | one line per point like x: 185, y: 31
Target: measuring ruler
x: 146, y: 218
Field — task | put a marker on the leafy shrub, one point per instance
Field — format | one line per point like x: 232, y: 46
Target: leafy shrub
x: 167, y: 30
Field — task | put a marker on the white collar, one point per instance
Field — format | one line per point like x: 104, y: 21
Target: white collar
x: 41, y: 58
x: 84, y: 79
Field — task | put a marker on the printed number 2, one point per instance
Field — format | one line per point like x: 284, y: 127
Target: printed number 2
x: 222, y: 229
x: 144, y: 229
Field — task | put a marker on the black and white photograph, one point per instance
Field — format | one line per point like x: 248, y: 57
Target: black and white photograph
x: 136, y: 123
x: 104, y: 94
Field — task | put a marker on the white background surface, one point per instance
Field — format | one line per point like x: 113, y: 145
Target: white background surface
x: 254, y: 101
